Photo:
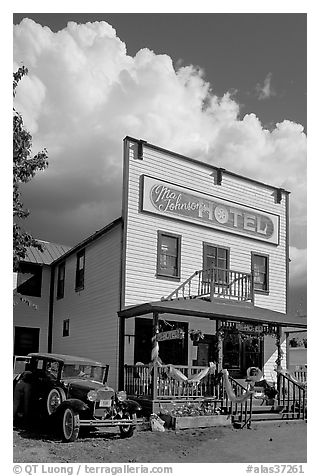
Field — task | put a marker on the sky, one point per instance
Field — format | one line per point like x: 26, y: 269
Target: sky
x: 227, y: 89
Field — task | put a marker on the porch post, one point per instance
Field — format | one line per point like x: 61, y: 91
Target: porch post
x: 279, y: 350
x: 155, y: 353
x: 121, y: 353
x: 219, y: 345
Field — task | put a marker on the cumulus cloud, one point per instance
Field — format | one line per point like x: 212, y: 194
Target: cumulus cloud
x: 265, y: 91
x: 298, y: 267
x: 84, y: 94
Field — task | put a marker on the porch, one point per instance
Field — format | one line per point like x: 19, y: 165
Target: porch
x: 161, y: 386
x: 159, y: 391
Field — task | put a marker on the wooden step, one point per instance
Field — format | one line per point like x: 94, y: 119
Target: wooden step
x: 263, y: 409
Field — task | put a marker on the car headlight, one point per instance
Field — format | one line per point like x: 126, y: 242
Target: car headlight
x: 121, y: 396
x: 92, y: 396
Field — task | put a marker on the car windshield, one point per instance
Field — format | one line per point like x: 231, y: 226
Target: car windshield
x: 93, y: 372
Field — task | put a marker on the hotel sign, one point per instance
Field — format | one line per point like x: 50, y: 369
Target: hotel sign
x: 169, y: 200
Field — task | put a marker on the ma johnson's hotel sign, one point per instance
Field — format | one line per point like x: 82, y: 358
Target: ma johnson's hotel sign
x: 163, y: 198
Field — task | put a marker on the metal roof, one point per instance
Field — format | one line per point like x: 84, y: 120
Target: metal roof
x: 51, y: 252
x: 215, y: 310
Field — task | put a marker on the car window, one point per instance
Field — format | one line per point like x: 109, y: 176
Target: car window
x: 52, y: 369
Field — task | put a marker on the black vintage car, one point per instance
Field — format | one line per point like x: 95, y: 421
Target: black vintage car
x: 72, y: 393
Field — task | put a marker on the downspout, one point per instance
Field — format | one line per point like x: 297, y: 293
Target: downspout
x: 51, y: 298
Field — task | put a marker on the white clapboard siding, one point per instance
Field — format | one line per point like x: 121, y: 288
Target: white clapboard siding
x: 94, y: 330
x: 141, y: 283
x: 271, y: 355
x: 28, y: 316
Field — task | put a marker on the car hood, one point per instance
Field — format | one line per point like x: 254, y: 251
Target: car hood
x: 85, y: 384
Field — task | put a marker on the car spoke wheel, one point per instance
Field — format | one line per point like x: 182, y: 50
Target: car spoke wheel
x: 54, y: 399
x: 126, y: 431
x: 70, y: 424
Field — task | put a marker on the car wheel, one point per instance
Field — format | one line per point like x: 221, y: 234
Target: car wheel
x: 70, y: 424
x: 55, y: 397
x: 127, y: 431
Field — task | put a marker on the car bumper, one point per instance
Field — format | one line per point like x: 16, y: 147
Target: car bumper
x: 105, y: 423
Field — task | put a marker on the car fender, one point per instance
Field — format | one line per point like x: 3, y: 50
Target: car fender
x: 131, y: 406
x: 76, y: 404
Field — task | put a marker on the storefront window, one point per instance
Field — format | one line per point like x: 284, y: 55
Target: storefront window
x: 231, y: 351
x: 169, y: 255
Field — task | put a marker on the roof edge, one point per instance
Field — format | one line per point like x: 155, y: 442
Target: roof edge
x: 89, y: 239
x: 206, y: 164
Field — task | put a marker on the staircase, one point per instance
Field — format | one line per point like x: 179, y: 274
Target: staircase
x: 290, y: 404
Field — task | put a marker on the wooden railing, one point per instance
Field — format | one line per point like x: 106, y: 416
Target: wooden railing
x: 140, y: 381
x: 292, y: 396
x: 300, y: 375
x: 216, y: 282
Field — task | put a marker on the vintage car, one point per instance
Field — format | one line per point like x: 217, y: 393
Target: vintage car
x: 72, y: 393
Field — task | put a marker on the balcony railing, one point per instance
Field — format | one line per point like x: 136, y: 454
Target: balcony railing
x: 216, y: 283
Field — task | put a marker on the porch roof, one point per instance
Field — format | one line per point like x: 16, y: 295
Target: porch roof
x: 215, y: 310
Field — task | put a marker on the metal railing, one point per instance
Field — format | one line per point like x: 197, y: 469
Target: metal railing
x: 216, y: 283
x: 241, y: 413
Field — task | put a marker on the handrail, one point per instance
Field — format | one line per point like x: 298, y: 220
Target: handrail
x: 244, y: 409
x: 292, y: 395
x: 215, y: 282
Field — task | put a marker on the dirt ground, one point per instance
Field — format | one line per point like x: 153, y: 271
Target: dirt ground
x: 284, y: 442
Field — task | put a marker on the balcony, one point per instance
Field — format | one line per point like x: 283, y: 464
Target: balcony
x: 216, y: 283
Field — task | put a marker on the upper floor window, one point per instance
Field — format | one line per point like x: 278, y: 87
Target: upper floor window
x: 260, y: 267
x: 29, y: 279
x: 216, y: 258
x: 80, y: 270
x: 65, y: 327
x: 60, y: 281
x: 169, y: 255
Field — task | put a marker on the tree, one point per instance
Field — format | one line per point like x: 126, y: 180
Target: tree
x: 24, y: 169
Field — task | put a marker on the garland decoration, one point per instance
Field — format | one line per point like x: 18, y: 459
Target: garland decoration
x: 195, y: 379
x: 229, y: 390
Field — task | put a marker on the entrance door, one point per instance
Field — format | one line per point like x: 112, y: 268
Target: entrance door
x: 26, y: 340
x: 241, y: 353
x: 252, y: 352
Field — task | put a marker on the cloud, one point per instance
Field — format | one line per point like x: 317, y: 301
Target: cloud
x: 298, y: 267
x: 265, y: 91
x: 84, y: 94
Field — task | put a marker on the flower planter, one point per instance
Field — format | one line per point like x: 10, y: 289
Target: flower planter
x: 200, y: 421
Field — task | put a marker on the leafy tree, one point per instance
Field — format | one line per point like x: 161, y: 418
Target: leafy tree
x: 24, y: 169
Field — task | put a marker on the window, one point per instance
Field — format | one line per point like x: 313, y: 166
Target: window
x: 216, y: 257
x: 29, y: 279
x: 26, y: 340
x: 260, y: 268
x: 60, y: 282
x: 169, y: 255
x: 66, y: 328
x: 80, y: 271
